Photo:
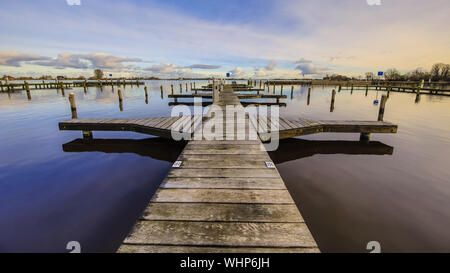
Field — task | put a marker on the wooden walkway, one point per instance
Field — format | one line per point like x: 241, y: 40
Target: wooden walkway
x: 222, y: 198
x: 288, y: 128
x: 222, y: 195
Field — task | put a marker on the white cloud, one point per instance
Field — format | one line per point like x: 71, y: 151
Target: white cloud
x: 203, y: 66
x: 14, y: 58
x: 91, y: 60
x: 271, y: 65
x: 237, y: 72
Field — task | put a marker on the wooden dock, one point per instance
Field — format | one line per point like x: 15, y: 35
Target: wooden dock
x: 222, y: 198
x: 222, y: 195
x: 12, y: 87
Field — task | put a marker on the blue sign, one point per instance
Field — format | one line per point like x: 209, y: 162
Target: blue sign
x: 110, y: 75
x: 228, y: 75
x: 380, y: 73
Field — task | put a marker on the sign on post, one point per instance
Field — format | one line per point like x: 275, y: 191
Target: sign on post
x: 380, y: 73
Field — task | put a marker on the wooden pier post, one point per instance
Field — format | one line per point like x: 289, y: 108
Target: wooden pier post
x: 119, y: 93
x: 162, y: 95
x: 388, y: 91
x: 85, y: 86
x: 282, y: 89
x: 27, y: 87
x: 382, y: 106
x: 137, y: 82
x: 340, y: 87
x: 73, y: 105
x: 187, y: 87
x: 1, y: 84
x: 194, y: 86
x: 292, y: 92
x: 333, y: 96
x: 309, y: 95
x: 62, y: 89
x: 367, y: 89
x: 351, y: 91
x: 124, y: 83
x: 181, y: 88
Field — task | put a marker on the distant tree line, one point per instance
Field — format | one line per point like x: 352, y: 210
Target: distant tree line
x: 439, y: 72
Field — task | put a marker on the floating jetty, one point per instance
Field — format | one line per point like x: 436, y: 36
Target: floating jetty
x: 222, y: 195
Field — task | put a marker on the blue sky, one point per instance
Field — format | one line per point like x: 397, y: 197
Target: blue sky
x: 259, y: 39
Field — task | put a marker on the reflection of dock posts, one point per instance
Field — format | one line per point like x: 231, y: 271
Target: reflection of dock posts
x: 119, y: 93
x: 367, y: 89
x: 382, y: 106
x: 85, y: 86
x: 27, y: 87
x: 73, y: 105
x: 333, y: 96
x: 62, y: 89
x: 309, y: 95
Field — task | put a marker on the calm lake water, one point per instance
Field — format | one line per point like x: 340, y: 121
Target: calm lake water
x: 394, y: 190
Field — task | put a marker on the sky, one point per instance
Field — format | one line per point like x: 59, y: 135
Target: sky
x: 200, y: 38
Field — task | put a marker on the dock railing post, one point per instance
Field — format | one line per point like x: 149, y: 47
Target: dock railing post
x: 73, y: 105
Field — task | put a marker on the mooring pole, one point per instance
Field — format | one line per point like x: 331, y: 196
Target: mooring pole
x: 382, y: 106
x: 367, y: 89
x: 119, y: 93
x: 27, y: 87
x: 181, y: 88
x: 62, y: 89
x: 333, y: 96
x: 309, y: 95
x: 146, y: 95
x: 73, y: 105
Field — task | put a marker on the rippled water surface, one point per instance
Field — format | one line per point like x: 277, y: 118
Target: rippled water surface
x: 394, y: 190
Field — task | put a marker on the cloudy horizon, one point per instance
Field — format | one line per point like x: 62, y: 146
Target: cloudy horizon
x: 259, y: 39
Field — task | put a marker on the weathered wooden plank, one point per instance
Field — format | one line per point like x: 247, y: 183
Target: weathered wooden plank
x: 223, y: 173
x: 127, y: 248
x: 267, y: 213
x: 213, y: 157
x: 224, y: 163
x: 221, y: 234
x: 222, y: 196
x: 222, y: 183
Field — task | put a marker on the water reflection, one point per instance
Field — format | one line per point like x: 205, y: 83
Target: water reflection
x: 292, y: 149
x: 156, y: 148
